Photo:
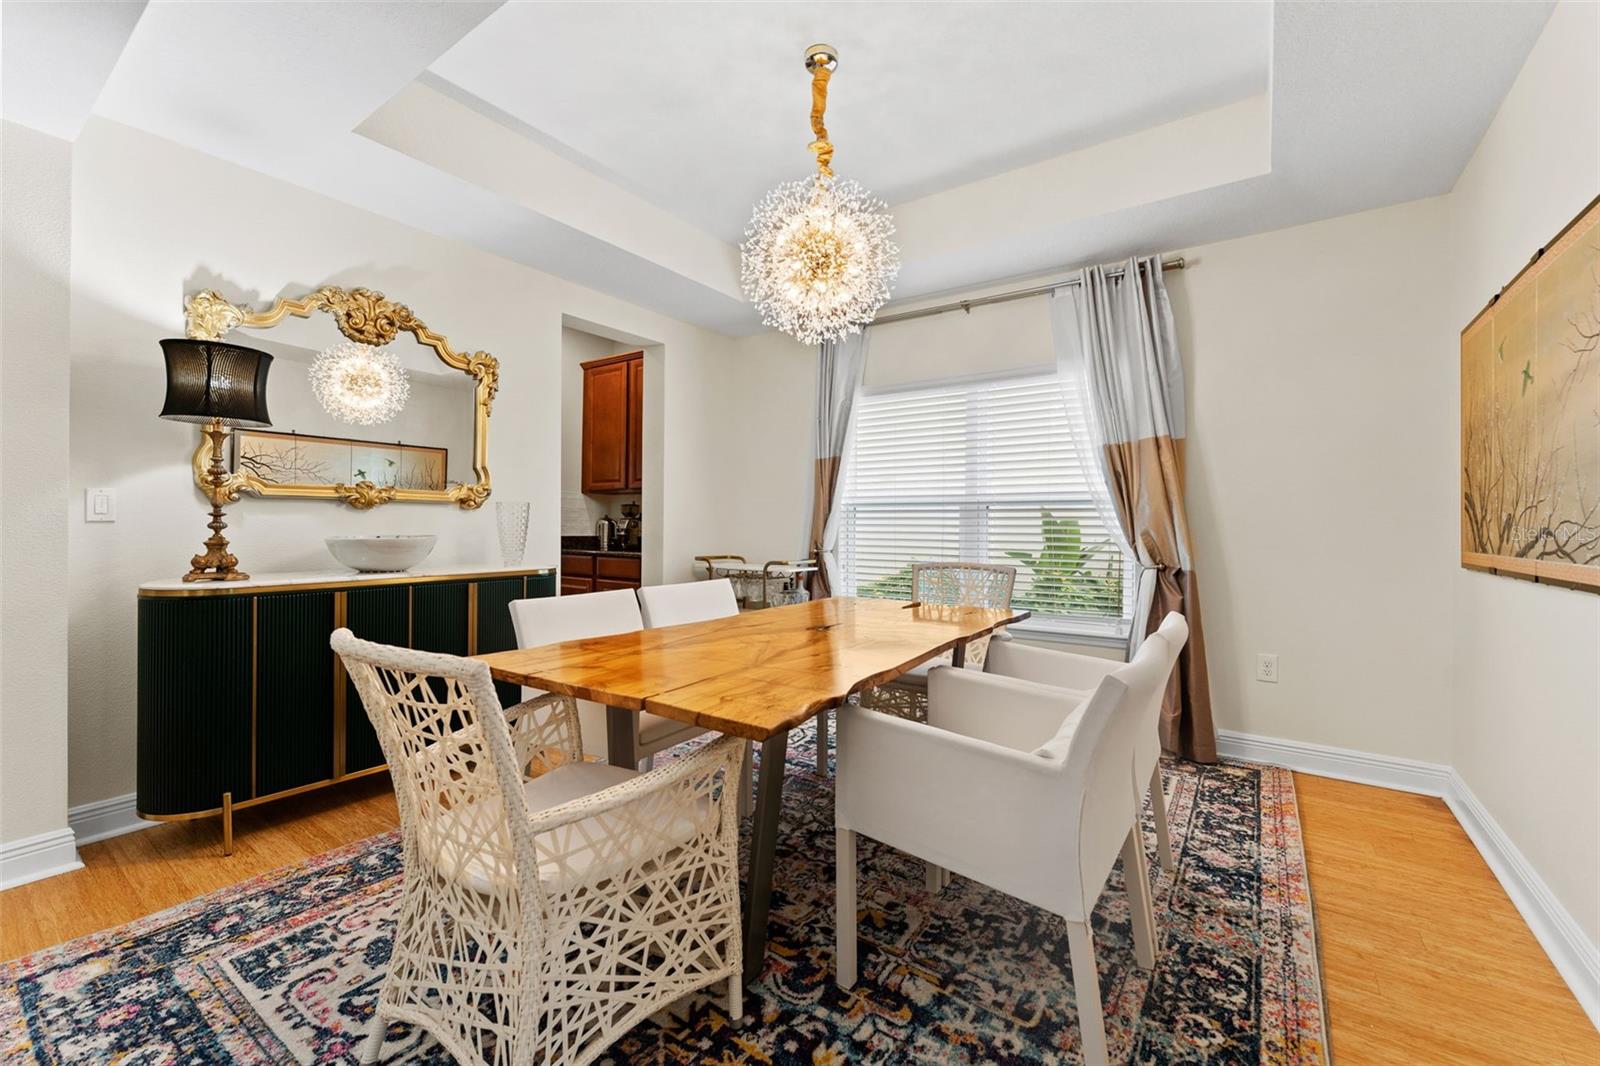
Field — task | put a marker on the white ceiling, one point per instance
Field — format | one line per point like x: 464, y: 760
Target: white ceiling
x: 622, y: 145
x: 700, y: 108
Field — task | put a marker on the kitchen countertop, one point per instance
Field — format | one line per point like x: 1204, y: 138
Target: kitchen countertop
x: 574, y: 545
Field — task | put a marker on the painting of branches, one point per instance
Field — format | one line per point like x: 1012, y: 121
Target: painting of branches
x: 1530, y: 418
x: 295, y: 459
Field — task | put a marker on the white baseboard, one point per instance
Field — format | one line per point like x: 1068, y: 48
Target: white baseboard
x: 1345, y: 764
x: 106, y: 818
x: 1575, y: 957
x: 32, y: 858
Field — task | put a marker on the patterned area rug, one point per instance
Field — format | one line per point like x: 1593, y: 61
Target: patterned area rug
x: 286, y: 968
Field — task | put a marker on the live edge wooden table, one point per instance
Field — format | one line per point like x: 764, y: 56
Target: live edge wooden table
x: 756, y: 676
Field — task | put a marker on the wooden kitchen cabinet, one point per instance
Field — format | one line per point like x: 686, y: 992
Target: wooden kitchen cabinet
x: 613, y: 424
x: 636, y: 424
x: 582, y: 573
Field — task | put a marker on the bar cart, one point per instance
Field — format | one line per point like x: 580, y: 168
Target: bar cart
x: 758, y: 585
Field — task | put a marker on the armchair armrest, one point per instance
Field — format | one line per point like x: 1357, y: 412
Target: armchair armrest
x: 533, y: 734
x: 1062, y: 669
x: 1015, y: 714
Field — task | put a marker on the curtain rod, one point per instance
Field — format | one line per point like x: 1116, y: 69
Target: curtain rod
x: 1175, y: 263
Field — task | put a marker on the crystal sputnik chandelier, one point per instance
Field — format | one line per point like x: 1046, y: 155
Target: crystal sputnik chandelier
x: 818, y: 258
x: 360, y: 384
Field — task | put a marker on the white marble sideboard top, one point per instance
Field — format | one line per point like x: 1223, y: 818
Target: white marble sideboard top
x: 337, y: 578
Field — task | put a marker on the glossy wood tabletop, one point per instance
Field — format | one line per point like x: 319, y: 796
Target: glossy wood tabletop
x: 755, y: 674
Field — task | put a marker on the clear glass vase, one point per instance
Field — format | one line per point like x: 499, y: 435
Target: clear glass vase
x: 512, y: 517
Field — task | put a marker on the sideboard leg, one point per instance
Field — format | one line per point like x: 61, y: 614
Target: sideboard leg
x: 227, y: 823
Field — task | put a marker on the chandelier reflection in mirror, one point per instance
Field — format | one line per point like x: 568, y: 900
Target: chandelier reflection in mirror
x: 359, y: 384
x: 817, y: 257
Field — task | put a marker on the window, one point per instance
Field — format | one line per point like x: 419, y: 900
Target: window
x: 983, y: 471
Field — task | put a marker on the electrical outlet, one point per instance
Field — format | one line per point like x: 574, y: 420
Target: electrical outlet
x: 1267, y: 668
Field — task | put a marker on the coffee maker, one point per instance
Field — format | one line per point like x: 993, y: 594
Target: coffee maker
x: 628, y: 538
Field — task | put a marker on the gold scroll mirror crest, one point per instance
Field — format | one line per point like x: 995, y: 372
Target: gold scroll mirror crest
x: 366, y: 317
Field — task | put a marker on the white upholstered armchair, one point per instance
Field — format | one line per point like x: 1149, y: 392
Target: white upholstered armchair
x: 1079, y: 674
x: 543, y: 914
x: 1018, y: 785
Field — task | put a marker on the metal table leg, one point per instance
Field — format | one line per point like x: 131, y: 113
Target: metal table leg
x: 621, y: 729
x: 763, y: 852
x: 958, y: 655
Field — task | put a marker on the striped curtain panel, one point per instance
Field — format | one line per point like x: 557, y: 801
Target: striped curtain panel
x: 840, y: 365
x: 1113, y: 334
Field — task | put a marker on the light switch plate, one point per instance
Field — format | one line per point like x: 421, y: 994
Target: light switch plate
x: 99, y: 505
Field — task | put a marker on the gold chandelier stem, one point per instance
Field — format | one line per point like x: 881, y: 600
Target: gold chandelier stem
x: 819, y: 105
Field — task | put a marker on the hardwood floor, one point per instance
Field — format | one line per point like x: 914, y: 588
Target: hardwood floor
x: 130, y: 876
x: 1425, y: 960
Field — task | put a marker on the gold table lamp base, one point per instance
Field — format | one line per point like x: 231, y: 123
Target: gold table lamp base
x: 216, y: 563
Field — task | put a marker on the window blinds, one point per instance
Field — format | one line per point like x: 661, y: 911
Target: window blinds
x: 982, y: 471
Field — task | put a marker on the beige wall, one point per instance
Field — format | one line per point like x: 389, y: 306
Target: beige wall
x: 35, y: 191
x: 763, y: 405
x: 1319, y: 487
x: 1525, y: 692
x: 152, y: 221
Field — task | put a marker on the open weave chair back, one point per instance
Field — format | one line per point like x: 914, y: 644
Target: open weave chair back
x: 966, y: 585
x: 539, y: 932
x: 963, y: 584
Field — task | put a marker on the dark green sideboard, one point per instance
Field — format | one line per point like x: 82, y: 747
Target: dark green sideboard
x: 241, y: 701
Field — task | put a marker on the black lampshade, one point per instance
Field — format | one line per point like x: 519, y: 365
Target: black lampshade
x: 209, y: 381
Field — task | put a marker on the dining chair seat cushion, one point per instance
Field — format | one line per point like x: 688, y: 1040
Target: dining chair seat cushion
x: 589, y: 848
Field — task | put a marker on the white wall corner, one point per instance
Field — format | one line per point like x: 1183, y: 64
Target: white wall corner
x: 1576, y: 957
x: 1384, y: 771
x: 107, y: 818
x: 36, y: 857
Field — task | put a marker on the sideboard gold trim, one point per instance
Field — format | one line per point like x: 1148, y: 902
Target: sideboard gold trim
x: 341, y: 710
x: 189, y: 816
x: 366, y: 317
x: 342, y: 583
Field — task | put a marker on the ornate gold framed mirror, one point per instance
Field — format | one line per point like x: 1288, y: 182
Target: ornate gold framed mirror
x: 364, y: 317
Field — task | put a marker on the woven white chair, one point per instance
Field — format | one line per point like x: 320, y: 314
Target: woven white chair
x: 956, y: 584
x: 1015, y: 785
x: 1079, y: 674
x: 543, y: 917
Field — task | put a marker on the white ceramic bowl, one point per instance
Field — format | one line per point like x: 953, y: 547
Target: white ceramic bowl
x: 382, y: 553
